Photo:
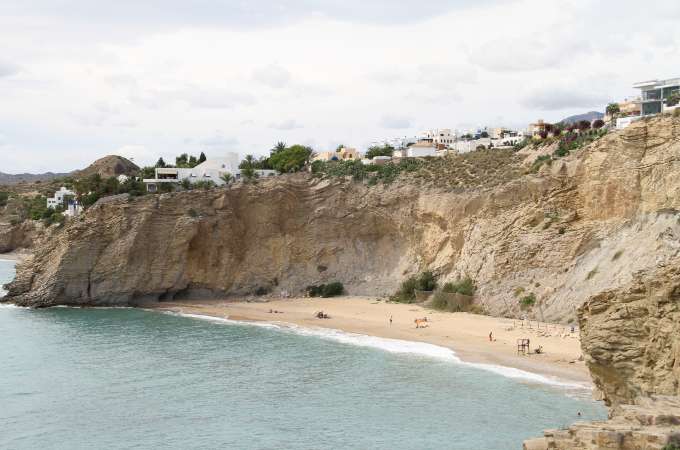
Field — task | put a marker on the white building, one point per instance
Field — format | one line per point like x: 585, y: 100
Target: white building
x: 440, y: 137
x: 60, y: 198
x: 397, y: 143
x: 66, y: 199
x: 420, y: 151
x: 210, y: 170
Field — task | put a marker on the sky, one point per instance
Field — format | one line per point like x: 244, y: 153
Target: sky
x: 81, y: 79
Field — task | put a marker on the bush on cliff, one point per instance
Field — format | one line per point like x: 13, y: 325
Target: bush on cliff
x: 465, y: 286
x: 425, y: 281
x: 528, y: 301
x: 332, y: 289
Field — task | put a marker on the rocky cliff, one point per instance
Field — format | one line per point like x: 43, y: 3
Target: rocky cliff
x: 580, y: 227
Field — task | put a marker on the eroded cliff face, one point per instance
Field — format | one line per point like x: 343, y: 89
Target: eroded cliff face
x: 583, y: 226
x: 631, y: 336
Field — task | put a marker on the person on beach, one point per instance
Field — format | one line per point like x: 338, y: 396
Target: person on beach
x: 390, y: 320
x: 491, y: 336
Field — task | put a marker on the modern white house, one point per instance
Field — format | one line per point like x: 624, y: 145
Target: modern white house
x: 658, y: 95
x: 210, y: 170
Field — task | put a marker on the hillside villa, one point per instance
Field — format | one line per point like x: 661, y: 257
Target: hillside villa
x: 658, y: 96
x: 65, y: 198
x: 210, y: 170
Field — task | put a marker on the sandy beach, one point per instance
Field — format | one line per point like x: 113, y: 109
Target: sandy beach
x: 467, y: 334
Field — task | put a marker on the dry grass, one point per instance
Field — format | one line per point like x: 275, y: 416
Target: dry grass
x: 477, y: 168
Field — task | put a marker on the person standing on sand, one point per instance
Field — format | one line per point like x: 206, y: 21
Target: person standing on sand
x: 390, y: 320
x: 490, y: 336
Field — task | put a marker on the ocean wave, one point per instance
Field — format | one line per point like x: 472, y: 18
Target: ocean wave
x: 12, y: 306
x: 397, y: 346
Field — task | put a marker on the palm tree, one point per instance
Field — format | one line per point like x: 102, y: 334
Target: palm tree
x: 227, y: 178
x: 613, y: 109
x: 279, y: 147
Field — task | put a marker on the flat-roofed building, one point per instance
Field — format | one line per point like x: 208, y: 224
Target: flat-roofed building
x: 658, y: 95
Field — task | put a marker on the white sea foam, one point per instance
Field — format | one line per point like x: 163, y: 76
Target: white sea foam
x: 12, y: 306
x: 398, y: 346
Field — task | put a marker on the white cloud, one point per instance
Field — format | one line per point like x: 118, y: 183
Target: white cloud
x: 139, y: 154
x: 8, y: 69
x: 395, y: 122
x: 290, y: 124
x: 218, y: 140
x: 559, y: 98
x: 350, y: 72
x: 273, y: 76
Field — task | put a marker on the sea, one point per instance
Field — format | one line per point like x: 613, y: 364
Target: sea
x: 76, y: 378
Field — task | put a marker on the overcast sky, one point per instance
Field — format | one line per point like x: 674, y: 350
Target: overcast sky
x: 80, y: 79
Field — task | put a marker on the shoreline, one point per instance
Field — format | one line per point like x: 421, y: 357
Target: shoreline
x: 15, y: 256
x: 463, y: 333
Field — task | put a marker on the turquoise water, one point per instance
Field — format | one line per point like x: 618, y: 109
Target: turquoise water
x: 132, y: 379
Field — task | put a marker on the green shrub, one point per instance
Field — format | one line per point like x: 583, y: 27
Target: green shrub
x: 671, y: 446
x: 527, y: 301
x: 4, y: 196
x: 192, y: 213
x: 545, y: 159
x: 406, y: 292
x: 332, y: 289
x: 425, y: 281
x: 262, y: 290
x: 676, y: 112
x: 204, y: 184
x: 465, y: 286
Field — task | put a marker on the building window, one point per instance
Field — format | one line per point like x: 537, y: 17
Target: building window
x: 651, y: 108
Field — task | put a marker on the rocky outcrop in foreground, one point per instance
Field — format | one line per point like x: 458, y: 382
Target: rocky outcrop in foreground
x: 651, y: 425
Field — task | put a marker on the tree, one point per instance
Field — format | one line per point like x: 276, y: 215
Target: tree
x: 247, y: 167
x: 202, y: 158
x: 227, y: 178
x: 339, y: 147
x: 613, y: 109
x: 376, y: 150
x: 160, y: 163
x: 484, y: 134
x: 583, y: 125
x: 673, y: 98
x: 279, y: 147
x: 292, y: 159
x: 248, y: 162
x: 597, y: 124
x: 181, y: 160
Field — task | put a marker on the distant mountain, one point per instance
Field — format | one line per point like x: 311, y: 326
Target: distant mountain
x: 589, y: 116
x: 7, y: 178
x: 108, y: 166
